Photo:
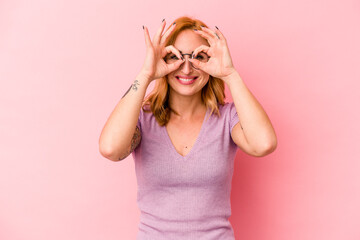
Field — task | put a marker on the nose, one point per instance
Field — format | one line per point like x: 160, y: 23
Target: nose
x: 186, y: 66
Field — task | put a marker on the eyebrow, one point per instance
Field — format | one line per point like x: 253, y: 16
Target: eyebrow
x: 181, y: 51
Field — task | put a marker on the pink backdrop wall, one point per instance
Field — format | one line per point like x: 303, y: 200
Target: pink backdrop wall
x: 65, y: 64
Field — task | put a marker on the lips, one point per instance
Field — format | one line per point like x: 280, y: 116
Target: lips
x: 187, y: 77
x: 186, y: 80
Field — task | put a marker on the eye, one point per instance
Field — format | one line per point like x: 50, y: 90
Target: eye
x: 202, y: 56
x: 174, y: 57
x: 199, y: 57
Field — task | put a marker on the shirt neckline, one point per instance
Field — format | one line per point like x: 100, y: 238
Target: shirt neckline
x: 193, y: 149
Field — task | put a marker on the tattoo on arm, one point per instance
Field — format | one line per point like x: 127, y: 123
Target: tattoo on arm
x: 134, y: 142
x: 126, y: 92
x: 133, y: 86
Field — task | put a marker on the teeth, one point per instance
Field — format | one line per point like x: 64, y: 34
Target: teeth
x: 186, y: 80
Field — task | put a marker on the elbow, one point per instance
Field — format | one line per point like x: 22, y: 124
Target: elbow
x: 108, y: 154
x: 269, y: 148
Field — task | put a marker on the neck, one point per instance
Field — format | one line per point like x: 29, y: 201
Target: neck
x: 188, y: 107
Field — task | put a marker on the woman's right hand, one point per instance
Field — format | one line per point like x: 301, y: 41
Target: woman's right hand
x: 154, y: 66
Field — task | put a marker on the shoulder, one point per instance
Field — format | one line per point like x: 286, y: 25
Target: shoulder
x: 229, y: 114
x: 226, y: 108
x: 225, y: 114
x: 147, y: 119
x: 145, y: 113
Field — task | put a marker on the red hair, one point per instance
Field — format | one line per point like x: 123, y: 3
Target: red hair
x: 212, y: 93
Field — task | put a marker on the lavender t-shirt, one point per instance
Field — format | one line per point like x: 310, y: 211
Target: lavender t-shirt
x: 186, y: 197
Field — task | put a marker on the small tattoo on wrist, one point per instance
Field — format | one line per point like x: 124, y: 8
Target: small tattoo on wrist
x: 133, y: 86
x: 136, y: 82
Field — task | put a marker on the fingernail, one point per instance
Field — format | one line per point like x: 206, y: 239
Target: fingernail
x: 217, y: 28
x: 163, y: 20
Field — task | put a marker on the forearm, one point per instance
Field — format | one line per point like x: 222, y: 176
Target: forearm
x: 119, y: 129
x: 255, y: 123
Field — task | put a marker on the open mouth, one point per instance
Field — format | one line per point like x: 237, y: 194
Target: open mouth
x: 187, y: 79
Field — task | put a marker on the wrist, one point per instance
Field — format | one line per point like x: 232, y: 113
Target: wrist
x: 143, y: 78
x: 234, y: 74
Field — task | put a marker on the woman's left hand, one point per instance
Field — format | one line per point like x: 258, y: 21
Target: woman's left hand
x: 220, y: 64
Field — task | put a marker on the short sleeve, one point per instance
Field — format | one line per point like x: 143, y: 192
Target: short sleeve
x: 234, y: 119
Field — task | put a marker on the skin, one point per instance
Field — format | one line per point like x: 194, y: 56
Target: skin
x: 133, y: 86
x: 134, y: 143
x: 254, y: 133
x: 186, y: 99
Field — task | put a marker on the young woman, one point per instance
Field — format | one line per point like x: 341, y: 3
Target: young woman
x: 183, y: 136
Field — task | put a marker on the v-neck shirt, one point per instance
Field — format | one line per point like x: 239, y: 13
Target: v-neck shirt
x: 186, y: 197
x: 198, y: 139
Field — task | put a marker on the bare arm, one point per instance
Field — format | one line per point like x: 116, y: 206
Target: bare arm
x: 134, y: 143
x: 120, y: 136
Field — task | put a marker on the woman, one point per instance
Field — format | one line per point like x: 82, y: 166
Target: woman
x: 183, y: 153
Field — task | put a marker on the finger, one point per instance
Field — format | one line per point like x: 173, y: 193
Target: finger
x: 198, y: 64
x: 157, y: 36
x: 173, y: 66
x: 221, y: 36
x: 202, y: 48
x: 207, y: 36
x: 210, y: 31
x: 169, y: 49
x: 147, y: 38
x: 167, y: 33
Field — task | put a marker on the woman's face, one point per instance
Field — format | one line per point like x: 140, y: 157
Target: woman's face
x: 186, y: 42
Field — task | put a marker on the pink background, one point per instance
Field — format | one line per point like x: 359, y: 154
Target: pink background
x: 64, y: 65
